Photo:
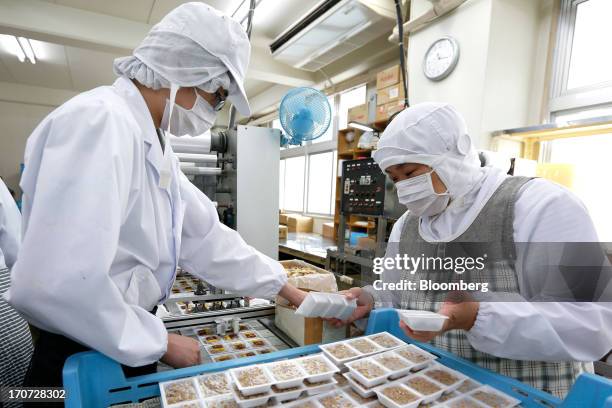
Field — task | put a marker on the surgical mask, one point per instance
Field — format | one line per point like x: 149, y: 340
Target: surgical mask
x: 195, y: 121
x: 419, y: 197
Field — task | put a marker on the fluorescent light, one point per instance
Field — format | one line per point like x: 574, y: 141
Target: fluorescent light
x: 360, y: 126
x: 11, y: 45
x: 27, y: 49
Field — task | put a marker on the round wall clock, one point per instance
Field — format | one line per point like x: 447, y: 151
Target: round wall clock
x: 441, y: 58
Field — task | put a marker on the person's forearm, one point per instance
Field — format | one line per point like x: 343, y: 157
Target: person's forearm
x: 292, y: 294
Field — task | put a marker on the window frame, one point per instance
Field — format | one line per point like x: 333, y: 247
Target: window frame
x: 561, y: 98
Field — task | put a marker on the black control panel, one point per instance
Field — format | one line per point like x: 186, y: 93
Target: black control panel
x: 363, y: 188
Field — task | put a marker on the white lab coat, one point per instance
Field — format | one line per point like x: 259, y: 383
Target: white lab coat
x: 10, y: 228
x: 542, y: 331
x: 102, y: 239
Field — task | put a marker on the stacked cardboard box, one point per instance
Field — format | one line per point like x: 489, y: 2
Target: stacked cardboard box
x: 359, y: 114
x: 389, y: 93
x: 282, y: 231
x: 299, y: 223
x: 328, y: 230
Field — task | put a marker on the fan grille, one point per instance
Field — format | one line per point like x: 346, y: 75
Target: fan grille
x: 305, y: 114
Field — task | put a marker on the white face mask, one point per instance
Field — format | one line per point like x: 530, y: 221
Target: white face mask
x: 419, y: 197
x: 195, y: 121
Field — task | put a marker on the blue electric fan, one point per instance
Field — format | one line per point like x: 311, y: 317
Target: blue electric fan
x: 304, y: 114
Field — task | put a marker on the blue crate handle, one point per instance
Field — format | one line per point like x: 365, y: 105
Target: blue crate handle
x: 94, y: 380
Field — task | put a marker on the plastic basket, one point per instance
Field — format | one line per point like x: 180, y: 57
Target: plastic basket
x: 93, y: 380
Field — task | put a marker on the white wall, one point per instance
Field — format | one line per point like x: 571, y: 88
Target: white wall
x: 499, y: 80
x: 22, y: 107
x: 17, y: 121
x: 464, y: 88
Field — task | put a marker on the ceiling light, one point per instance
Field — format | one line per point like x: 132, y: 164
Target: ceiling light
x: 361, y: 126
x: 25, y: 45
x: 11, y: 45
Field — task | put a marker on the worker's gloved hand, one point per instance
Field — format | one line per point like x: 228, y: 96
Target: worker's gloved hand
x: 365, y: 303
x: 182, y: 351
x: 461, y: 315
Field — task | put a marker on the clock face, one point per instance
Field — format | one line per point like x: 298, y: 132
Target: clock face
x: 441, y: 58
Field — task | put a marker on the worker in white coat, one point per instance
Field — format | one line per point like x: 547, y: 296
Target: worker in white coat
x: 108, y: 216
x: 15, y: 339
x: 451, y: 199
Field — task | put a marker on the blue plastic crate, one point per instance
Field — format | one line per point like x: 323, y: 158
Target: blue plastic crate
x: 93, y: 380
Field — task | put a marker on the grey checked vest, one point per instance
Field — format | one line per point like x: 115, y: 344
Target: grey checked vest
x: 15, y: 342
x: 493, y: 226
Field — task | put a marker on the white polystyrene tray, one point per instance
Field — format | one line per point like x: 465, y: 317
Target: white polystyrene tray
x: 162, y: 390
x: 320, y: 304
x: 200, y: 404
x: 319, y: 397
x: 422, y: 320
x: 389, y: 403
x: 412, y: 347
x: 397, y: 373
x: 437, y: 366
x: 206, y: 396
x: 251, y: 402
x: 377, y: 348
x: 252, y: 390
x: 339, y: 361
x: 282, y: 384
x: 314, y: 378
x: 426, y: 397
x: 368, y: 382
x: 512, y: 402
x: 302, y: 401
x: 390, y: 337
x: 280, y: 397
x: 359, y: 389
x: 315, y: 304
x: 328, y: 385
x: 340, y: 307
x: 456, y: 402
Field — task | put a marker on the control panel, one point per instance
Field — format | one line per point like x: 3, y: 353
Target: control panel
x: 363, y: 187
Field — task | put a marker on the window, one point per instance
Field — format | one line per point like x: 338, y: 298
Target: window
x: 563, y: 118
x: 321, y: 183
x: 589, y: 158
x: 309, y: 191
x: 293, y: 195
x: 591, y: 59
x: 582, y: 76
x: 354, y: 97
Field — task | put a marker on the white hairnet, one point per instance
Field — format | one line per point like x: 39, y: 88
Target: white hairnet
x: 433, y: 134
x: 194, y: 45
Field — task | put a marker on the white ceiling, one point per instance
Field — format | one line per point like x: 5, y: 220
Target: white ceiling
x: 79, y: 69
x: 72, y: 61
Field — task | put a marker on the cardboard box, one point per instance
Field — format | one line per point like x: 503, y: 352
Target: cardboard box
x: 358, y: 114
x: 306, y: 330
x: 299, y: 223
x: 366, y: 243
x: 390, y: 94
x: 282, y: 219
x: 388, y: 77
x: 328, y: 230
x: 394, y: 107
x: 282, y: 231
x: 384, y: 112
